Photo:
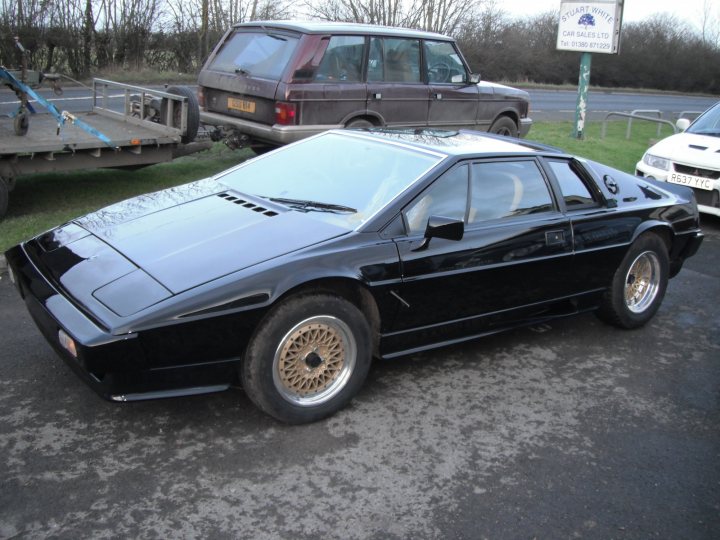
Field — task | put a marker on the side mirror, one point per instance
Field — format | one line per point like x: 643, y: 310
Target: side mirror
x: 682, y: 124
x: 442, y: 227
x: 474, y: 78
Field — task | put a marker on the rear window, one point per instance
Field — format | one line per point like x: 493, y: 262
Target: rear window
x: 255, y: 54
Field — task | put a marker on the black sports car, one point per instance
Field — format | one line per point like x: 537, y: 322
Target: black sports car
x: 291, y: 271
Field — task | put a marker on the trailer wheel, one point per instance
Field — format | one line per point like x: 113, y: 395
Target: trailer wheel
x: 4, y: 195
x: 193, y: 115
x: 21, y: 124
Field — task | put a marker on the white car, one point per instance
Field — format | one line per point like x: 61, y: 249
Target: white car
x: 690, y: 158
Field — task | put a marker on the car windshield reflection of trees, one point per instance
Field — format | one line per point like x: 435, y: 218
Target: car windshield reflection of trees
x: 348, y: 173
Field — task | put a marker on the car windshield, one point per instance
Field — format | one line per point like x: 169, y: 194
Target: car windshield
x: 341, y: 178
x: 708, y: 123
x: 255, y: 54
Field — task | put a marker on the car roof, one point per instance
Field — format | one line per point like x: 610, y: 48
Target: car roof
x: 463, y: 142
x: 322, y: 27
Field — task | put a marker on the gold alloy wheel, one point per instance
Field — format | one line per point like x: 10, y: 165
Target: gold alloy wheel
x: 314, y: 360
x: 642, y: 282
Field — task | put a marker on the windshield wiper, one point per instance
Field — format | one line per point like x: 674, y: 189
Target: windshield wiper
x: 242, y: 71
x: 302, y: 204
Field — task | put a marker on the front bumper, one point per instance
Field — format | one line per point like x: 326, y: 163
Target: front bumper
x: 114, y: 366
x: 524, y: 127
x: 708, y: 200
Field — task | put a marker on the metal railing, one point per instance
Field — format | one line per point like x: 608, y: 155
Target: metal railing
x: 138, y: 101
x: 633, y: 116
x: 684, y: 114
x: 640, y: 114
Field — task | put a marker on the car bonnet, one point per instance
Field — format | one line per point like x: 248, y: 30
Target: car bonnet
x: 194, y: 242
x: 691, y: 149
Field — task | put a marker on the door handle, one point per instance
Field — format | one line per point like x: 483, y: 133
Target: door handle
x: 555, y: 238
x: 437, y: 96
x: 377, y: 95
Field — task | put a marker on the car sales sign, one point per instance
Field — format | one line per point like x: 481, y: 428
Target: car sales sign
x: 590, y: 26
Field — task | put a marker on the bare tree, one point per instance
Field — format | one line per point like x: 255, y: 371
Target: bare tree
x: 444, y: 16
x: 710, y: 23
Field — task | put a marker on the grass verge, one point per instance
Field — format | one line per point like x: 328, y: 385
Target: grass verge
x: 40, y: 202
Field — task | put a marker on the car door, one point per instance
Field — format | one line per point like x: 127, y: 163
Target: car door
x: 454, y: 100
x: 514, y: 256
x: 337, y: 90
x: 396, y: 92
x: 601, y: 233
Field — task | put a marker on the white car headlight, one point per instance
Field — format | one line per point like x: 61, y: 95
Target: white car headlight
x: 657, y: 162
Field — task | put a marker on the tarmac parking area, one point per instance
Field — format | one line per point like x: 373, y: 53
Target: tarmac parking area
x: 569, y: 430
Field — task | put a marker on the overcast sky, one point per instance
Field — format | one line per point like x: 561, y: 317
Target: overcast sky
x: 635, y: 10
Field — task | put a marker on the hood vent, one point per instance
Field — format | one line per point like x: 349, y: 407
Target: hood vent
x: 696, y: 147
x: 247, y: 204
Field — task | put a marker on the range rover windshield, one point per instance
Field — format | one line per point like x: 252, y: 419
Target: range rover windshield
x: 263, y: 55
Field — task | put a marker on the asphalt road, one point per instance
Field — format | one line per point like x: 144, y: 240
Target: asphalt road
x: 568, y: 430
x: 558, y: 105
x: 552, y: 105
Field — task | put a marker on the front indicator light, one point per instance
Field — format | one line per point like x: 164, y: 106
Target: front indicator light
x: 67, y: 343
x: 657, y: 162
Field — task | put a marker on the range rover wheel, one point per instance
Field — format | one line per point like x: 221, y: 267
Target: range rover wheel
x: 308, y: 358
x: 504, y: 126
x: 639, y: 284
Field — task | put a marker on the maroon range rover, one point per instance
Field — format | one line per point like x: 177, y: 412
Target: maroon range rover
x: 272, y: 83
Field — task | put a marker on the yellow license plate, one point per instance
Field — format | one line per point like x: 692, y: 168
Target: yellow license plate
x: 242, y: 105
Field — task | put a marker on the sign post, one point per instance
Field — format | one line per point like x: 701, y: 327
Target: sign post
x: 583, y: 84
x: 588, y: 27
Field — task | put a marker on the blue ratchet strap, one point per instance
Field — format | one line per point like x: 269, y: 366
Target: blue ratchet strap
x: 60, y: 117
x: 91, y: 130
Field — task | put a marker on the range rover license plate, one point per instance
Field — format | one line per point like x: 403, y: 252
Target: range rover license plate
x: 242, y: 105
x: 690, y: 180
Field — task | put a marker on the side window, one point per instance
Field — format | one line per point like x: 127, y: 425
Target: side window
x: 394, y: 60
x: 507, y: 188
x: 342, y: 60
x: 447, y: 197
x: 574, y: 190
x: 443, y: 63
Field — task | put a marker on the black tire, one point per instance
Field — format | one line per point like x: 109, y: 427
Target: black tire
x: 504, y: 126
x: 4, y: 197
x: 639, y: 284
x: 359, y: 123
x: 193, y: 114
x: 21, y: 123
x: 299, y: 366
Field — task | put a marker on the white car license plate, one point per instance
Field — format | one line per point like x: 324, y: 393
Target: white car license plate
x: 689, y: 180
